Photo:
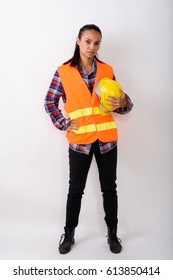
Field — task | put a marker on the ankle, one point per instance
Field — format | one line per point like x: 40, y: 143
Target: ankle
x: 66, y: 241
x: 69, y: 229
x: 113, y: 241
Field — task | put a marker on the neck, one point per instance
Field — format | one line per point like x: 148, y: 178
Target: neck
x: 85, y: 61
x: 86, y: 64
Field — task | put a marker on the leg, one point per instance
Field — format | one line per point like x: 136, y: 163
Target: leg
x: 79, y: 166
x: 107, y: 164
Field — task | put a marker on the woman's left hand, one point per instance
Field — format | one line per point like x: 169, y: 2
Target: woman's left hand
x: 117, y: 102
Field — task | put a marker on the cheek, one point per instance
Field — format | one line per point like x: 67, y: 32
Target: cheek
x: 84, y: 46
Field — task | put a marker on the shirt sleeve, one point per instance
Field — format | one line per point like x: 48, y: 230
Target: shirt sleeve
x: 125, y: 110
x: 51, y: 103
x: 128, y: 108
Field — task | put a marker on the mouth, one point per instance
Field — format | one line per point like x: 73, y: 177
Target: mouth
x: 91, y: 53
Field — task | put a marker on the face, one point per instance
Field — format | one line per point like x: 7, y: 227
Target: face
x: 89, y: 43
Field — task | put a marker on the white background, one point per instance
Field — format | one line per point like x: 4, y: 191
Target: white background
x: 36, y: 37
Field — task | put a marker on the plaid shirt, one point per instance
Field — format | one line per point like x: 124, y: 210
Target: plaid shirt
x: 56, y: 91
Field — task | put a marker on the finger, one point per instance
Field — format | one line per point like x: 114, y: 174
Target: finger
x: 72, y: 131
x: 113, y: 98
x: 73, y: 128
x: 122, y: 91
x: 123, y: 95
x: 113, y: 102
x: 74, y: 122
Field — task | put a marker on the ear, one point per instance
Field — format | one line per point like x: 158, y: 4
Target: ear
x: 78, y: 41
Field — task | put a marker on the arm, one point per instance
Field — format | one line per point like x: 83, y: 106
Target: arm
x: 51, y: 103
x: 127, y: 108
x: 121, y: 105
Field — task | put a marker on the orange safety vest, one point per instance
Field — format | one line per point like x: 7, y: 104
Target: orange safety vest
x: 83, y: 106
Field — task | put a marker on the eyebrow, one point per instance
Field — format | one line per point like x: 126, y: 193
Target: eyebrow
x: 98, y: 41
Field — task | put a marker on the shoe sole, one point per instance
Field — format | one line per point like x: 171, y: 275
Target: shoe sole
x: 115, y: 251
x: 62, y: 252
x: 112, y: 249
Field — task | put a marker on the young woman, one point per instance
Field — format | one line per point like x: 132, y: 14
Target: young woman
x: 88, y: 132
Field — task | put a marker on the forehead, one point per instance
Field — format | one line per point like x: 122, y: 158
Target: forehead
x: 92, y: 35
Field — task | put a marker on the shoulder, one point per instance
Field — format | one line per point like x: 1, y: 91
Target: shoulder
x: 103, y: 64
x: 64, y: 66
x: 105, y: 69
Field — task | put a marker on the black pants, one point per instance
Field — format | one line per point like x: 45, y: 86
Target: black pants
x: 79, y: 167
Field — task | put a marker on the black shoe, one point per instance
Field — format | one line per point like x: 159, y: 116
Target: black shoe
x: 113, y: 241
x: 66, y: 241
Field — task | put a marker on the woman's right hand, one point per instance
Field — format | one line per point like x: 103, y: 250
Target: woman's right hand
x: 73, y: 127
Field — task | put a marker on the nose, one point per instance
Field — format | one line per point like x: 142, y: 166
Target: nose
x: 92, y: 46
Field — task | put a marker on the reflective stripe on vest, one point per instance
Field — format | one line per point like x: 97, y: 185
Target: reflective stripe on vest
x: 95, y: 127
x: 84, y: 112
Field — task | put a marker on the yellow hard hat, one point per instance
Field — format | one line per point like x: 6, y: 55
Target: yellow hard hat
x: 104, y: 88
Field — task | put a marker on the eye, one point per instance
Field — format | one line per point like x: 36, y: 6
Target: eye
x: 88, y: 42
x: 97, y: 43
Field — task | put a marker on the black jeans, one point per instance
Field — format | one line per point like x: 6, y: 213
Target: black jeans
x: 79, y: 167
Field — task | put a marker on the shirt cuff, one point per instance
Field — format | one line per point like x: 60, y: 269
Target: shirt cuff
x: 127, y: 109
x: 66, y: 124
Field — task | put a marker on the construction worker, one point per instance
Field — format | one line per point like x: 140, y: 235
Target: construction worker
x: 88, y: 131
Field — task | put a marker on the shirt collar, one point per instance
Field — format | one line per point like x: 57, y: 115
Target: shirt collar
x: 94, y: 67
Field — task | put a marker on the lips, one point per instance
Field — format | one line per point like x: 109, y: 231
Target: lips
x: 91, y: 53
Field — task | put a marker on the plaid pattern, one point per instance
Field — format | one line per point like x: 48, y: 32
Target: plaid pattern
x: 56, y: 92
x: 85, y: 149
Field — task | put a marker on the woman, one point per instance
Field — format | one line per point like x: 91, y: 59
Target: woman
x: 88, y: 132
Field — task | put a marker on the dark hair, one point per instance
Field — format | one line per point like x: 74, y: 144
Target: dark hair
x: 76, y: 56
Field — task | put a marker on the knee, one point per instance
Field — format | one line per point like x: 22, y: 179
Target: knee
x: 75, y: 194
x: 109, y: 190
